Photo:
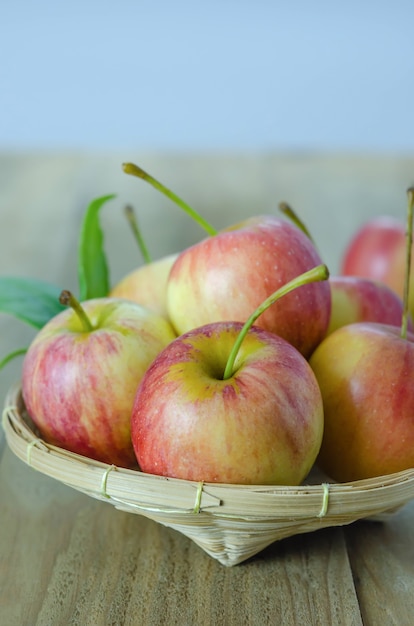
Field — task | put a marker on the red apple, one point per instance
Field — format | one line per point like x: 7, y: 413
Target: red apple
x: 365, y: 372
x: 81, y: 373
x: 262, y: 426
x: 147, y: 285
x: 226, y: 276
x: 229, y: 403
x: 378, y: 251
x: 229, y: 274
x: 356, y: 299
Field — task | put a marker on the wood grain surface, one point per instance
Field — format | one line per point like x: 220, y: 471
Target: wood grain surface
x: 68, y: 559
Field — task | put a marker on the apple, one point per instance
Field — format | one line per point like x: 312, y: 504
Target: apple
x: 356, y: 299
x: 378, y: 251
x: 365, y: 372
x: 230, y: 403
x: 81, y: 372
x: 147, y: 285
x: 226, y: 276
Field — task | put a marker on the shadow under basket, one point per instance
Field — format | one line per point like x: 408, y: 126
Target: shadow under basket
x: 231, y: 523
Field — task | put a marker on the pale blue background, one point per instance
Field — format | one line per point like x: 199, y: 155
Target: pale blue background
x: 229, y: 75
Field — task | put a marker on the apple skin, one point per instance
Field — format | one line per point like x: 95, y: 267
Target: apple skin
x: 378, y: 251
x: 263, y: 425
x: 356, y: 299
x: 79, y: 386
x: 147, y: 285
x: 365, y: 372
x: 227, y: 276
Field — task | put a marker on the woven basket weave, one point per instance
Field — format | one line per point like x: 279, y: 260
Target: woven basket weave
x: 229, y: 522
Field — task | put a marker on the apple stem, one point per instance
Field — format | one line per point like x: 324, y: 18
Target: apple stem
x: 409, y: 236
x: 133, y: 222
x: 68, y: 299
x: 135, y: 170
x: 318, y: 273
x: 287, y: 210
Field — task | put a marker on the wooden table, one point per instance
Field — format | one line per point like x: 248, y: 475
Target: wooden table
x: 68, y: 559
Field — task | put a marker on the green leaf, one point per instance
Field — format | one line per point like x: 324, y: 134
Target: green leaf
x: 30, y: 300
x: 93, y: 272
x: 12, y: 356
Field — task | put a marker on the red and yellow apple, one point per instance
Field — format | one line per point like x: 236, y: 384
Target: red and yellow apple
x: 357, y: 299
x: 226, y: 276
x: 365, y: 372
x: 80, y: 376
x: 147, y: 285
x: 263, y: 425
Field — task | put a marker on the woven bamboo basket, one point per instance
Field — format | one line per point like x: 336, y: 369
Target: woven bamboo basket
x: 231, y: 523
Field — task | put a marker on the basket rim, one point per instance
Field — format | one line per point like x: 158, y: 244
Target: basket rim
x: 145, y: 493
